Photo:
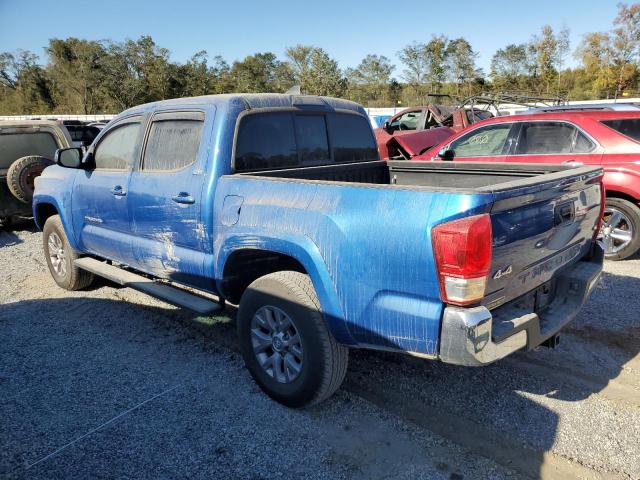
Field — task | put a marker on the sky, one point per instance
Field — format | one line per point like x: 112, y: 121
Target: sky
x: 347, y: 30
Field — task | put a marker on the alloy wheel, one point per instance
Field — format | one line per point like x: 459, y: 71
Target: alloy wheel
x: 276, y: 344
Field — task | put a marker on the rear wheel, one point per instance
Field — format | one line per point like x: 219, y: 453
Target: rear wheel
x: 284, y: 341
x: 22, y: 174
x: 61, y: 256
x: 620, y: 231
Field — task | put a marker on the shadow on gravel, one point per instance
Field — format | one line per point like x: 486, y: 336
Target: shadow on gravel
x: 486, y: 410
x: 8, y: 236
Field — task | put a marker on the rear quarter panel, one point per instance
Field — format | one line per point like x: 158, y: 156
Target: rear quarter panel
x: 367, y: 249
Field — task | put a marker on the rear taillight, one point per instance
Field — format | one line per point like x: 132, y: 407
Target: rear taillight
x: 462, y: 249
x: 603, y: 201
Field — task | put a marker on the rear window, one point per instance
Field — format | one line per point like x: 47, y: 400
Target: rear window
x: 629, y: 127
x: 351, y: 138
x: 17, y: 145
x: 285, y: 140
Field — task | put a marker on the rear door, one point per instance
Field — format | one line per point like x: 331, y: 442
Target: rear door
x: 554, y: 142
x: 487, y: 143
x: 100, y: 200
x: 165, y: 199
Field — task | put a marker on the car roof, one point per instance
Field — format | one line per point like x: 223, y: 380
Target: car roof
x: 253, y: 101
x: 571, y: 115
x: 618, y: 107
x: 28, y: 123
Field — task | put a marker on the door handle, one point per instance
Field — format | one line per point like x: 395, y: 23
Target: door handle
x: 184, y: 198
x: 118, y: 191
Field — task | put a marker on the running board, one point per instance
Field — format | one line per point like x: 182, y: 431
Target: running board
x: 169, y: 294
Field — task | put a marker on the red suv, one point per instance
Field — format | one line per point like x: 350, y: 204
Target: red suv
x: 604, y: 135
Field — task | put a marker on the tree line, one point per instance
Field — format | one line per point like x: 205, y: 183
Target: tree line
x: 89, y: 76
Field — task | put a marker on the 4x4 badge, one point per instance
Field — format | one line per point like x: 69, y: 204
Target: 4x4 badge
x: 503, y: 272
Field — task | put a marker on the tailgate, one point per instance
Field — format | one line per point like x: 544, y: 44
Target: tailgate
x: 539, y: 229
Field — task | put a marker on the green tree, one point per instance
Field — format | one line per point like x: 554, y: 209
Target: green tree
x: 415, y: 62
x: 626, y: 45
x: 461, y: 62
x: 511, y: 67
x: 315, y: 71
x: 548, y: 50
x: 24, y: 86
x: 262, y: 72
x: 369, y: 81
x: 75, y: 70
x: 436, y: 56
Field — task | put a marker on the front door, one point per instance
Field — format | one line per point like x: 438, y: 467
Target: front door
x: 100, y: 198
x: 165, y: 199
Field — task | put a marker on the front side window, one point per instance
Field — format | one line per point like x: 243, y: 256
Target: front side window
x: 406, y: 121
x: 118, y: 148
x: 482, y: 142
x: 543, y: 138
x: 629, y: 127
x: 173, y: 144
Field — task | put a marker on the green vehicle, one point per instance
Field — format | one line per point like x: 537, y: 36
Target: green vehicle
x: 27, y: 147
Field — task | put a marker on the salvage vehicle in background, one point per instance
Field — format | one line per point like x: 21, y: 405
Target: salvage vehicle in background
x: 27, y: 147
x: 281, y: 205
x: 607, y: 135
x: 82, y: 133
x: 415, y: 130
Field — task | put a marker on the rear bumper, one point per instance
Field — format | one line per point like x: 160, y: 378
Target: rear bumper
x: 477, y: 336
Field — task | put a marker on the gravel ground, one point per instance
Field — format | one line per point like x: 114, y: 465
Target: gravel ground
x: 109, y: 383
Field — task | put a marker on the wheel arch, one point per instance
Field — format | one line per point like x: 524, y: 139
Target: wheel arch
x: 617, y: 193
x: 240, y: 264
x: 44, y: 207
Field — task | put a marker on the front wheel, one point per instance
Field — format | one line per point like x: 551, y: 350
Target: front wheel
x: 620, y: 231
x: 284, y: 341
x: 61, y: 256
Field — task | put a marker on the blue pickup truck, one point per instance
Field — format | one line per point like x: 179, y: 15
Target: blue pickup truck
x: 280, y: 205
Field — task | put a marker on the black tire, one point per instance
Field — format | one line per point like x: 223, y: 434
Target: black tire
x: 70, y: 277
x: 324, y: 363
x: 22, y: 173
x: 632, y: 214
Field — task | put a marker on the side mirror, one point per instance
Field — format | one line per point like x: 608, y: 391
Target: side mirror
x: 446, y: 154
x: 69, y: 157
x: 386, y: 125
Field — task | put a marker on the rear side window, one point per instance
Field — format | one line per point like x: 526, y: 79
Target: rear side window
x: 265, y: 141
x: 540, y: 138
x: 351, y: 138
x: 172, y: 144
x: 284, y: 139
x: 17, y: 145
x: 629, y: 127
x: 118, y: 148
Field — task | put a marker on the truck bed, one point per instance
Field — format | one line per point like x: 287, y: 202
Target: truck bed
x: 459, y: 177
x: 543, y: 216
